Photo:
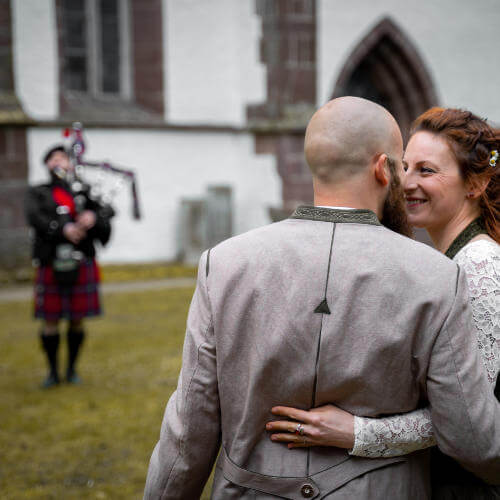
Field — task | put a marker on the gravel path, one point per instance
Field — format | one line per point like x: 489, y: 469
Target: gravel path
x: 17, y: 293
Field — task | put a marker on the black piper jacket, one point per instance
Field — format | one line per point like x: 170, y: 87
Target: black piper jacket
x: 47, y: 220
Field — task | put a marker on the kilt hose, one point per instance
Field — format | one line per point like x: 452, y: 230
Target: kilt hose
x: 53, y: 302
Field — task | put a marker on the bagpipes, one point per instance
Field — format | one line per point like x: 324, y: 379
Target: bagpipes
x: 76, y: 151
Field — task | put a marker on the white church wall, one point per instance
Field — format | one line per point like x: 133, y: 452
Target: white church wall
x: 457, y: 40
x: 171, y: 165
x: 212, y: 63
x: 34, y: 40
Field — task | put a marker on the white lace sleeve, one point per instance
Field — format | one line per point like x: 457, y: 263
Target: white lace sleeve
x: 393, y: 436
x: 402, y: 434
x: 481, y: 262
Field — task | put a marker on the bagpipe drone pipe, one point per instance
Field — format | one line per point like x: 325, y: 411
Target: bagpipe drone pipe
x: 99, y: 190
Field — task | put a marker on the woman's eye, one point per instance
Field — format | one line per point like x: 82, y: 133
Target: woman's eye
x: 427, y: 170
x: 405, y: 168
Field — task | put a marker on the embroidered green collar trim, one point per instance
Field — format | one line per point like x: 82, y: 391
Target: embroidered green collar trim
x: 355, y: 216
x: 471, y: 231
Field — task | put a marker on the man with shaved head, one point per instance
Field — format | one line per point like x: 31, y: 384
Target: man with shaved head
x: 344, y: 137
x: 331, y: 305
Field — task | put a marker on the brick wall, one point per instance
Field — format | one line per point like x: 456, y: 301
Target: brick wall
x: 288, y: 49
x: 14, y: 247
x: 14, y: 241
x: 147, y: 43
x: 292, y: 169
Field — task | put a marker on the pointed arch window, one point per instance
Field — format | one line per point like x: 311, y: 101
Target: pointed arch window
x: 385, y: 67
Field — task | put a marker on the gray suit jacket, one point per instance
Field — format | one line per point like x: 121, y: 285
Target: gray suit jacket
x: 327, y: 306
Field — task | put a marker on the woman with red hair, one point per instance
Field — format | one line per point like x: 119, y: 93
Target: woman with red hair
x: 452, y: 189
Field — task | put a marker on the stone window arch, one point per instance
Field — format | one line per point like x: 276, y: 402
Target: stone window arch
x: 385, y: 67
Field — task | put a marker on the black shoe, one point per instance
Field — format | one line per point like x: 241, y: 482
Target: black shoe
x: 51, y: 381
x: 73, y: 378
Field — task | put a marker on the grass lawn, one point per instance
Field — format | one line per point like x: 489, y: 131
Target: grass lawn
x: 91, y: 441
x: 111, y: 272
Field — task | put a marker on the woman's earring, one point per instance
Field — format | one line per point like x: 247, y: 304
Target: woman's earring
x: 470, y: 195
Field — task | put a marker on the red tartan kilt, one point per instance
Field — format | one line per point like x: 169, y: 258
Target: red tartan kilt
x: 81, y: 300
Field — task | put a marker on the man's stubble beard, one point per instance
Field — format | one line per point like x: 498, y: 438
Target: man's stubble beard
x: 394, y: 213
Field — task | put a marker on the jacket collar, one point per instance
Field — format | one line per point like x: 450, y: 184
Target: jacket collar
x: 475, y: 228
x: 356, y: 216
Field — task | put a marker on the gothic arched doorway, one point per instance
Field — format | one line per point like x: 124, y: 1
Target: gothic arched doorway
x: 386, y: 68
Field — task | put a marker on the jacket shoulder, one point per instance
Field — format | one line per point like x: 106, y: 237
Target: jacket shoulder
x: 38, y: 189
x: 250, y: 238
x: 417, y: 260
x: 413, y: 249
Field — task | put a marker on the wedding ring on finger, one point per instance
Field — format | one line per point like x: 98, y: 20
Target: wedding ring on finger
x: 299, y: 429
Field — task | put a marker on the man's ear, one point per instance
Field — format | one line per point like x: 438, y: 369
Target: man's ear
x: 381, y: 170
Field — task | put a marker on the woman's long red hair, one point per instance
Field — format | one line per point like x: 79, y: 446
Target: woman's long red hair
x: 471, y: 140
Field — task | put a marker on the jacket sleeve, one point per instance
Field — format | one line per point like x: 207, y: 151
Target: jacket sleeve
x: 465, y: 413
x: 102, y: 227
x: 190, y: 434
x: 46, y: 224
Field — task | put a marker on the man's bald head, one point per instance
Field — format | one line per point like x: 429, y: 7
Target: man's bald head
x: 345, y: 135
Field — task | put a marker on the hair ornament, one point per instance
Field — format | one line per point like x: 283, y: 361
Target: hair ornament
x: 493, y: 158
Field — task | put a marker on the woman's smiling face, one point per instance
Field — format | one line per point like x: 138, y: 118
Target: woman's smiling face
x: 434, y: 188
